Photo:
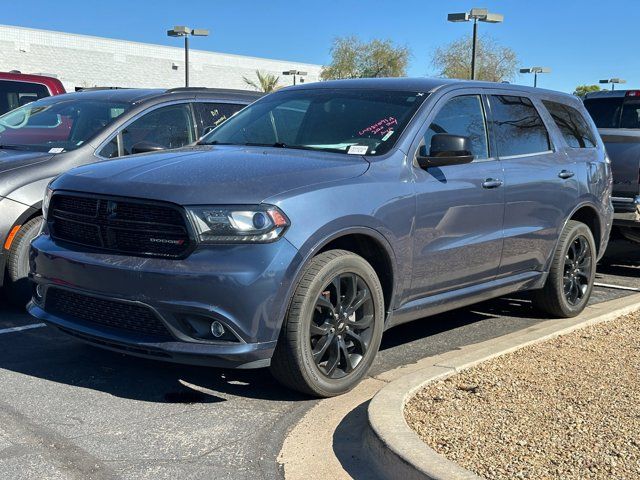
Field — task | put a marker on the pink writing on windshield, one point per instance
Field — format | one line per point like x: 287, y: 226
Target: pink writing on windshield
x: 380, y: 128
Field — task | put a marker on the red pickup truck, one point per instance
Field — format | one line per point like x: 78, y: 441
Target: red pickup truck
x: 18, y: 89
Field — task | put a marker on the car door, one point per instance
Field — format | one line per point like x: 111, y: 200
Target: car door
x: 167, y: 127
x: 540, y: 187
x: 458, y: 225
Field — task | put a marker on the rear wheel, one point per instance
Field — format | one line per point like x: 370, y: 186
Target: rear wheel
x: 333, y: 327
x: 16, y: 286
x: 572, y: 273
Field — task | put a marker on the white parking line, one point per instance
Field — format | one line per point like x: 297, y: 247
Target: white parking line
x: 617, y: 287
x: 25, y: 327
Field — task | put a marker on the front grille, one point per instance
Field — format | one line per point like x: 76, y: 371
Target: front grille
x: 125, y: 226
x: 113, y: 314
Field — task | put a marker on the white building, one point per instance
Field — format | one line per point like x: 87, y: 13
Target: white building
x: 86, y: 61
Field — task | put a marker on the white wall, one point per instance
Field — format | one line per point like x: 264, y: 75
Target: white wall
x: 85, y: 61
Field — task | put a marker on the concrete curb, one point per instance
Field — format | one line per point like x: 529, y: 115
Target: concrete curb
x: 397, y: 451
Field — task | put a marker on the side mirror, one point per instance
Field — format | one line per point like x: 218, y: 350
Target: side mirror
x: 445, y: 149
x: 144, y: 147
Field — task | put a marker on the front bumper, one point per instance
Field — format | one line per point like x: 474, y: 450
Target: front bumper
x: 242, y: 286
x: 626, y: 210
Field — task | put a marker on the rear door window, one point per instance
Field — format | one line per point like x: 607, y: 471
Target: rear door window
x: 211, y: 114
x: 517, y: 126
x: 574, y: 128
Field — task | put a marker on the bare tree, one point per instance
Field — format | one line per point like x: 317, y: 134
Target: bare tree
x: 494, y: 62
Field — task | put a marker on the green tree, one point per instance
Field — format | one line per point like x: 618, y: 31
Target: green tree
x: 265, y: 82
x: 353, y: 58
x: 494, y: 62
x: 582, y: 90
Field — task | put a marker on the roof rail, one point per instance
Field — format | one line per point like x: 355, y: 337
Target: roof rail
x: 89, y: 89
x: 209, y: 90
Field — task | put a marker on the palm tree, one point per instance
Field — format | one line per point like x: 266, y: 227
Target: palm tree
x: 267, y: 82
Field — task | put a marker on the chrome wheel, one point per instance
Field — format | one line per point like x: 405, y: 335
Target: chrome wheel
x: 342, y: 325
x: 577, y: 270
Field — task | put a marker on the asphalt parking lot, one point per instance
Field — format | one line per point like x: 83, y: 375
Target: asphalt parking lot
x: 69, y: 410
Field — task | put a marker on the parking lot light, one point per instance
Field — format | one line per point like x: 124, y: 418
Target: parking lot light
x: 613, y: 82
x: 535, y: 71
x: 294, y: 73
x: 182, y: 31
x: 477, y: 15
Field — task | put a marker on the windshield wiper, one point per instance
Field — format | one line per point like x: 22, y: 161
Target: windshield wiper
x: 275, y: 145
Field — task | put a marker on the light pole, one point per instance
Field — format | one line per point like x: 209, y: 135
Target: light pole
x: 477, y: 15
x: 182, y: 31
x: 613, y: 82
x: 294, y: 73
x: 535, y: 71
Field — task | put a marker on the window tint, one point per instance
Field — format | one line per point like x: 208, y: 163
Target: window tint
x: 210, y: 115
x: 169, y: 127
x: 630, y: 117
x: 605, y: 111
x: 462, y: 116
x: 17, y: 94
x: 572, y: 125
x: 518, y: 127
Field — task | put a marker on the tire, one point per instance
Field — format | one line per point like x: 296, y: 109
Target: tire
x: 16, y: 286
x: 317, y: 322
x: 569, y: 276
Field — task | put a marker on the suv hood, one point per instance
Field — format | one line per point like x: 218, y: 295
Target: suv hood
x: 13, y: 159
x: 212, y: 175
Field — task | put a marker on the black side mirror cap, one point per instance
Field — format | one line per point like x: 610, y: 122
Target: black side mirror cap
x: 445, y: 149
x: 145, y: 147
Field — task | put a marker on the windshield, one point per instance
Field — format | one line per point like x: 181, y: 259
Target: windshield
x: 364, y: 122
x: 57, y: 126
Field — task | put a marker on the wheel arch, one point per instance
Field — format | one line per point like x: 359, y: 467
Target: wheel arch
x: 364, y: 241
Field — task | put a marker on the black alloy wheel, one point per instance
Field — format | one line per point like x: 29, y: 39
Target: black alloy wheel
x: 341, y: 328
x: 577, y: 270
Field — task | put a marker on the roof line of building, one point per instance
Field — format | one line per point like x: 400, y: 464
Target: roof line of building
x: 191, y: 50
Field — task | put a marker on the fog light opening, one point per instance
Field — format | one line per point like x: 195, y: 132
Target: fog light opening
x: 217, y: 329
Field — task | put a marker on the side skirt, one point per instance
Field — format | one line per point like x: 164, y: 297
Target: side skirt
x: 453, y: 299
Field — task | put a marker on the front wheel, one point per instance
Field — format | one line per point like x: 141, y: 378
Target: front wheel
x: 17, y: 288
x: 572, y: 273
x: 333, y: 327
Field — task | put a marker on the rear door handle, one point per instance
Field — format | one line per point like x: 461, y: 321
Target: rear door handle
x: 566, y: 174
x: 491, y: 183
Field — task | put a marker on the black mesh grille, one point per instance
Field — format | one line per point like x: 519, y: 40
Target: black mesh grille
x: 117, y: 225
x: 107, y: 313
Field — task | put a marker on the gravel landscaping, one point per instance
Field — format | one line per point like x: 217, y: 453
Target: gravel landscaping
x: 568, y: 408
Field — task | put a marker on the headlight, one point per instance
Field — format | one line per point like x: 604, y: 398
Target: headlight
x: 45, y: 201
x: 238, y: 224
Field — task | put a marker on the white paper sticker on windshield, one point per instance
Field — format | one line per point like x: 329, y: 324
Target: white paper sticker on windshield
x: 56, y: 150
x: 357, y: 150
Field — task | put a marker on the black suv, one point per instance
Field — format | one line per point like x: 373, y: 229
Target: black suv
x: 45, y: 138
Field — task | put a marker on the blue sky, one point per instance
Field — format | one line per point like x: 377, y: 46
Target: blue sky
x: 582, y: 41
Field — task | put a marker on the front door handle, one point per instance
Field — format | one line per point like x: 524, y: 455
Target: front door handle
x: 491, y: 183
x: 566, y: 174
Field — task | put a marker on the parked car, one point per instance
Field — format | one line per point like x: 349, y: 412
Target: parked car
x: 43, y: 139
x: 322, y: 215
x: 18, y: 89
x: 617, y: 116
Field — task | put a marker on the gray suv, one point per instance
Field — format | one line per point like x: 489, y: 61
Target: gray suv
x: 44, y: 138
x: 302, y: 228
